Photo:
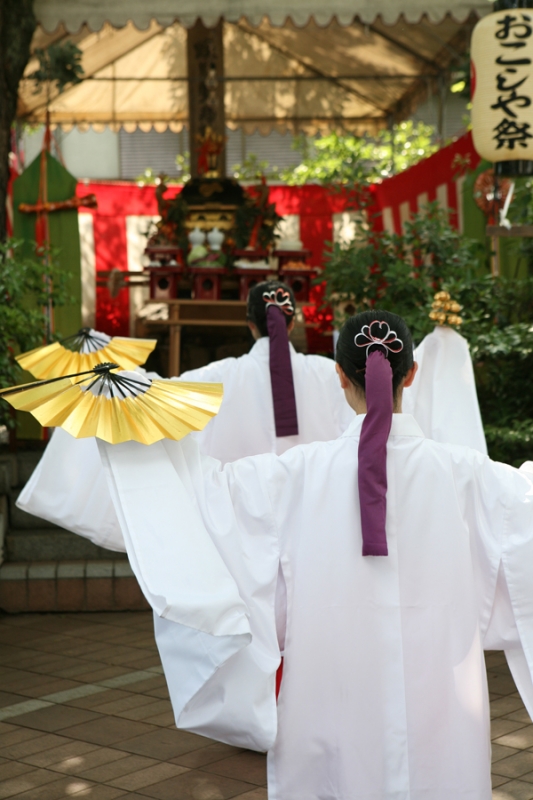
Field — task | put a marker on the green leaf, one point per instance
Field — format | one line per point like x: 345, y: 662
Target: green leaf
x: 60, y: 64
x: 28, y: 287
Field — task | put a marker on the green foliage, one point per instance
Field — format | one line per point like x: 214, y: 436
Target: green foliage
x: 348, y: 160
x: 183, y: 166
x: 460, y: 78
x: 151, y: 177
x: 59, y: 64
x: 497, y: 342
x: 402, y: 274
x: 521, y: 213
x: 256, y: 206
x: 245, y: 218
x: 498, y: 314
x: 252, y: 169
x: 512, y: 445
x: 27, y: 289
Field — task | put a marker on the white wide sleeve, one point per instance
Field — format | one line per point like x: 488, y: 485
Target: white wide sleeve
x: 68, y: 487
x: 502, y: 634
x: 517, y: 563
x: 443, y: 397
x: 202, y: 543
x: 511, y: 623
x: 218, y: 438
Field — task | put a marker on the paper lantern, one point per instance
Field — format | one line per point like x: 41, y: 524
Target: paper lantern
x: 502, y: 85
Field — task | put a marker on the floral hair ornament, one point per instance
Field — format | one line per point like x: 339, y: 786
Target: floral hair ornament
x: 378, y: 333
x: 280, y: 298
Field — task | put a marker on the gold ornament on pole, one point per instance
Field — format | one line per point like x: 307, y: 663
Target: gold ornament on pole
x: 118, y: 407
x: 445, y: 311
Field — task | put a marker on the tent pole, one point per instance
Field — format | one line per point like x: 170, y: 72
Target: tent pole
x: 205, y: 64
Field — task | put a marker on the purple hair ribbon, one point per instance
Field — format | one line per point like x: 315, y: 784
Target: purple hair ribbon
x: 281, y: 377
x: 372, y: 454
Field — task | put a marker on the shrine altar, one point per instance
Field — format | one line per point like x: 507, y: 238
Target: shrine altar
x: 114, y: 238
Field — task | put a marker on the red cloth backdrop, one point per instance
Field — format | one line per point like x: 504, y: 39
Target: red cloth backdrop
x: 315, y: 206
x: 116, y: 201
x: 443, y: 169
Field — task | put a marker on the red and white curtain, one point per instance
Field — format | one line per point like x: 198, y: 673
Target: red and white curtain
x: 439, y: 177
x: 113, y: 236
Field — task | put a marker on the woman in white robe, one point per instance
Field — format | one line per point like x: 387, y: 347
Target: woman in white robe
x: 384, y: 692
x: 443, y: 397
x: 68, y: 487
x: 246, y: 423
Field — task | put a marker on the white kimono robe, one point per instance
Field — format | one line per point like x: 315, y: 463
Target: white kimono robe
x: 443, y: 397
x: 68, y: 487
x: 384, y: 690
x: 244, y: 426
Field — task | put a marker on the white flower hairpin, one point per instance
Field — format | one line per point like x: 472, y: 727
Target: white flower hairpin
x: 280, y: 298
x: 378, y: 333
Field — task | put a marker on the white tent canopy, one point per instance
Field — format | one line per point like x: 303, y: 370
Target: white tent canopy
x: 306, y: 67
x: 95, y: 13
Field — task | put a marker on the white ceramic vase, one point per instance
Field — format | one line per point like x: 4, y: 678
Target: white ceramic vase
x: 215, y: 239
x: 196, y: 237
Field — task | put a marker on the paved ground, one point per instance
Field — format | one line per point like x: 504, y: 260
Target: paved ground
x: 84, y: 713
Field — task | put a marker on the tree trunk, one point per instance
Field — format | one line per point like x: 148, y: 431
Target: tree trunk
x: 17, y: 24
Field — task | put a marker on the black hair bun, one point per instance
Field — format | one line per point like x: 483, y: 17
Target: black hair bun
x: 355, y: 345
x: 256, y: 310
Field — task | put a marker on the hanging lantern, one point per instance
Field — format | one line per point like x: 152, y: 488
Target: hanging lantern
x: 502, y: 88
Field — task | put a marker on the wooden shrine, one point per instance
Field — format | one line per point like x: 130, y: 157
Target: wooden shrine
x: 213, y: 243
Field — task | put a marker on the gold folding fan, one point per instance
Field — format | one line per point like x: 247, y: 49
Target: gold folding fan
x: 83, y: 351
x: 118, y: 407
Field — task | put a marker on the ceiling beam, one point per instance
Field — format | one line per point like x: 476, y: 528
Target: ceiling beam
x: 404, y: 48
x: 287, y: 53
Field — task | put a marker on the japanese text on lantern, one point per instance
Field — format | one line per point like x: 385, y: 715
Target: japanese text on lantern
x: 512, y: 79
x: 502, y: 85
